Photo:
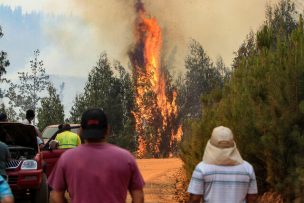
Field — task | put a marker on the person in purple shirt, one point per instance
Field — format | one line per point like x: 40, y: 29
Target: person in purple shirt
x: 96, y: 171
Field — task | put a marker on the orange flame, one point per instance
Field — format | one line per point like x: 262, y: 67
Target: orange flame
x: 150, y: 87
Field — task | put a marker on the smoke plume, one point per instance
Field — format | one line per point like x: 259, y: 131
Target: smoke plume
x: 220, y: 26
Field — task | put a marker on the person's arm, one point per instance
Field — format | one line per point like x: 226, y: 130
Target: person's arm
x: 136, y: 183
x: 78, y: 140
x: 54, y: 144
x: 57, y: 181
x: 40, y: 143
x: 38, y: 132
x: 195, y: 198
x: 137, y: 196
x: 7, y: 199
x: 251, y: 198
x: 252, y: 193
x: 196, y: 186
x: 6, y: 195
x: 57, y: 196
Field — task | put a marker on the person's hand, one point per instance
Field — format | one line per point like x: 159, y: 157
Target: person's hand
x: 41, y: 146
x: 54, y: 144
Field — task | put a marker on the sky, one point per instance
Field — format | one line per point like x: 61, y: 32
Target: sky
x: 71, y: 34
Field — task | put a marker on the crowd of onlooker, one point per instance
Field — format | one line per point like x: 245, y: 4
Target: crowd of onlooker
x: 96, y: 171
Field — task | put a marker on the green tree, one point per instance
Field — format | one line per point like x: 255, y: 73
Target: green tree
x: 263, y: 104
x: 4, y: 63
x: 26, y: 94
x: 114, y: 95
x: 223, y: 70
x: 9, y: 111
x: 51, y: 110
x: 246, y: 49
x: 201, y: 77
x: 126, y: 136
x: 79, y: 106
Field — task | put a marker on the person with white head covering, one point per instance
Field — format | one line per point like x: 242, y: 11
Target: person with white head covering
x: 222, y: 175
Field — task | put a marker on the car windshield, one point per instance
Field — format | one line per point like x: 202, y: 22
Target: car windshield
x: 50, y: 131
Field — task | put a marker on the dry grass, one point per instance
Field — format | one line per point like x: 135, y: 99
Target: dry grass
x: 270, y: 197
x: 181, y: 183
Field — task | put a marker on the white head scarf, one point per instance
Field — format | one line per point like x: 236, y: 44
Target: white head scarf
x: 221, y: 148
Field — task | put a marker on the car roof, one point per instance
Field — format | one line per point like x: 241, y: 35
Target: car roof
x: 56, y: 126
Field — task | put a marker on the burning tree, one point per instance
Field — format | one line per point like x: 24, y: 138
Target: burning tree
x: 157, y: 127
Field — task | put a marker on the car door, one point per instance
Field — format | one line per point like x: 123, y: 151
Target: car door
x: 50, y: 158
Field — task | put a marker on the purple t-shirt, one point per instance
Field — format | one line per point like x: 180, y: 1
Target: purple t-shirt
x: 96, y: 173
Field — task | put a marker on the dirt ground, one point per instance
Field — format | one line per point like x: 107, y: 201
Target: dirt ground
x: 160, y: 179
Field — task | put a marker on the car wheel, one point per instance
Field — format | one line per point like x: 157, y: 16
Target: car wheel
x: 41, y: 195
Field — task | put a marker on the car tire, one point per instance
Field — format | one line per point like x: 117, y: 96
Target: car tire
x: 41, y: 195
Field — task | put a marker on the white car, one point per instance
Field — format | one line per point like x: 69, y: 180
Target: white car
x: 50, y: 130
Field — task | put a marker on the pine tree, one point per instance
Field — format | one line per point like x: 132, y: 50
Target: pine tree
x: 114, y: 95
x: 201, y: 77
x: 51, y: 110
x: 262, y: 104
x: 4, y: 63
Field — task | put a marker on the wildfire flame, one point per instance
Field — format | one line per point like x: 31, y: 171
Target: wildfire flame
x: 154, y: 110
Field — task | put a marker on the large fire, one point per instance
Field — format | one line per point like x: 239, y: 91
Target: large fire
x: 155, y: 113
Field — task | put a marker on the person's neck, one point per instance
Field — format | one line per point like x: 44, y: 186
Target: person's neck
x: 95, y: 141
x: 29, y: 120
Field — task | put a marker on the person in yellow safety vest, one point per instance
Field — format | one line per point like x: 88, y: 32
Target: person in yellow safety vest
x: 67, y: 139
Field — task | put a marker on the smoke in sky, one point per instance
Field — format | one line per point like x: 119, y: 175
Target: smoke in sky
x: 220, y: 26
x: 108, y: 25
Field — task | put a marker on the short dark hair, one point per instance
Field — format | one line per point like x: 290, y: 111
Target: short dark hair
x: 60, y: 126
x: 30, y: 113
x: 66, y: 126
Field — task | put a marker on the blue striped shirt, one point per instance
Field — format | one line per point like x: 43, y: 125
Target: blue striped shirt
x: 4, y: 189
x: 223, y: 184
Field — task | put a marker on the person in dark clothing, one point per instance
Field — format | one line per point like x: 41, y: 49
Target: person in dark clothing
x: 6, y: 195
x: 4, y: 157
x: 29, y: 117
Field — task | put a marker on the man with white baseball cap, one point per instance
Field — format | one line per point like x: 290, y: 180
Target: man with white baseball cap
x: 222, y: 175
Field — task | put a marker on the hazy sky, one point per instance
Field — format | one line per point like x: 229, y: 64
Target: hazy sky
x: 71, y: 34
x: 73, y: 26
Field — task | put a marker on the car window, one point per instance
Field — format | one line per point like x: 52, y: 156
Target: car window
x: 49, y: 132
x: 75, y: 130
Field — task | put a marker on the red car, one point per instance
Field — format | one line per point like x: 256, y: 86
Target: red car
x: 29, y: 166
x: 50, y: 156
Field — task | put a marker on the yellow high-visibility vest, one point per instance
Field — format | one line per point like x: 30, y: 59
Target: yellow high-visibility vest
x: 68, y: 139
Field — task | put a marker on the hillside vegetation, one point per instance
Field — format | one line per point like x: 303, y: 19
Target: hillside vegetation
x: 263, y: 104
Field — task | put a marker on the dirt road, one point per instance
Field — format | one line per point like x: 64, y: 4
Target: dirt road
x: 159, y: 176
